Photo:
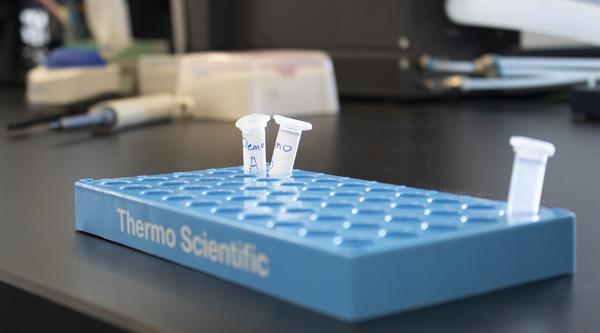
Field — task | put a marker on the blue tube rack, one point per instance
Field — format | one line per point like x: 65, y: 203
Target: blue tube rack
x: 348, y: 248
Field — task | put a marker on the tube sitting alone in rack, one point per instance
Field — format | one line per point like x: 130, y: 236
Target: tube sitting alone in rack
x: 253, y: 142
x: 286, y: 144
x: 527, y: 177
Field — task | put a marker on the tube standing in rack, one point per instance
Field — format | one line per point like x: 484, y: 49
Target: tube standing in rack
x: 253, y: 142
x: 286, y: 144
x: 527, y: 177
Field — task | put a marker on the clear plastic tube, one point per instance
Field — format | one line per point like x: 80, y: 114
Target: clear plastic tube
x: 286, y: 144
x: 527, y: 179
x: 253, y: 142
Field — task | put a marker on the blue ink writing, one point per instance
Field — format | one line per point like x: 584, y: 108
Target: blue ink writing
x: 253, y: 163
x: 285, y: 148
x: 250, y: 146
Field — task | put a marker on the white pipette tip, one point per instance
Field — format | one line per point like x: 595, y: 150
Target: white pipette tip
x: 527, y: 179
x: 253, y: 122
x: 292, y: 124
x: 286, y: 144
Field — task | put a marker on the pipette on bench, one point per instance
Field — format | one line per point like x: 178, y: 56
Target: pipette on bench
x: 253, y: 142
x: 129, y: 112
x: 527, y: 177
x: 286, y: 144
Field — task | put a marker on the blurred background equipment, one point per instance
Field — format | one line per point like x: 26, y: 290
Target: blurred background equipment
x: 109, y: 23
x: 493, y: 73
x: 157, y: 73
x: 402, y: 49
x: 31, y: 29
x: 220, y: 86
x: 66, y: 71
x: 10, y: 58
x: 585, y: 102
x: 571, y: 19
x: 83, y: 70
x: 229, y: 85
x: 71, y: 76
x: 125, y: 113
x: 375, y: 45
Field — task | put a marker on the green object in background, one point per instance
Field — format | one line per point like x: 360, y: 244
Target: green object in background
x: 127, y: 58
x: 81, y: 44
x: 141, y: 47
x: 138, y: 48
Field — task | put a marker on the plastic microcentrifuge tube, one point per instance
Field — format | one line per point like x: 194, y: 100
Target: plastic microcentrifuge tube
x: 286, y: 144
x: 253, y: 142
x: 527, y: 177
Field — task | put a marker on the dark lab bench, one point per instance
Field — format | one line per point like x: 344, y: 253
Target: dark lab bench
x: 53, y: 278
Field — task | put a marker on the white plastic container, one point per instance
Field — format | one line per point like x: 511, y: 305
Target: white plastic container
x: 63, y: 86
x: 229, y: 85
x: 157, y: 73
x: 527, y: 179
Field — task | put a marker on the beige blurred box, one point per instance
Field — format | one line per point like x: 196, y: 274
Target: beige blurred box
x: 228, y: 85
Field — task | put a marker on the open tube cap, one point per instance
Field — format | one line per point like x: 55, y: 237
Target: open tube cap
x: 532, y: 148
x: 253, y: 122
x: 292, y: 124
